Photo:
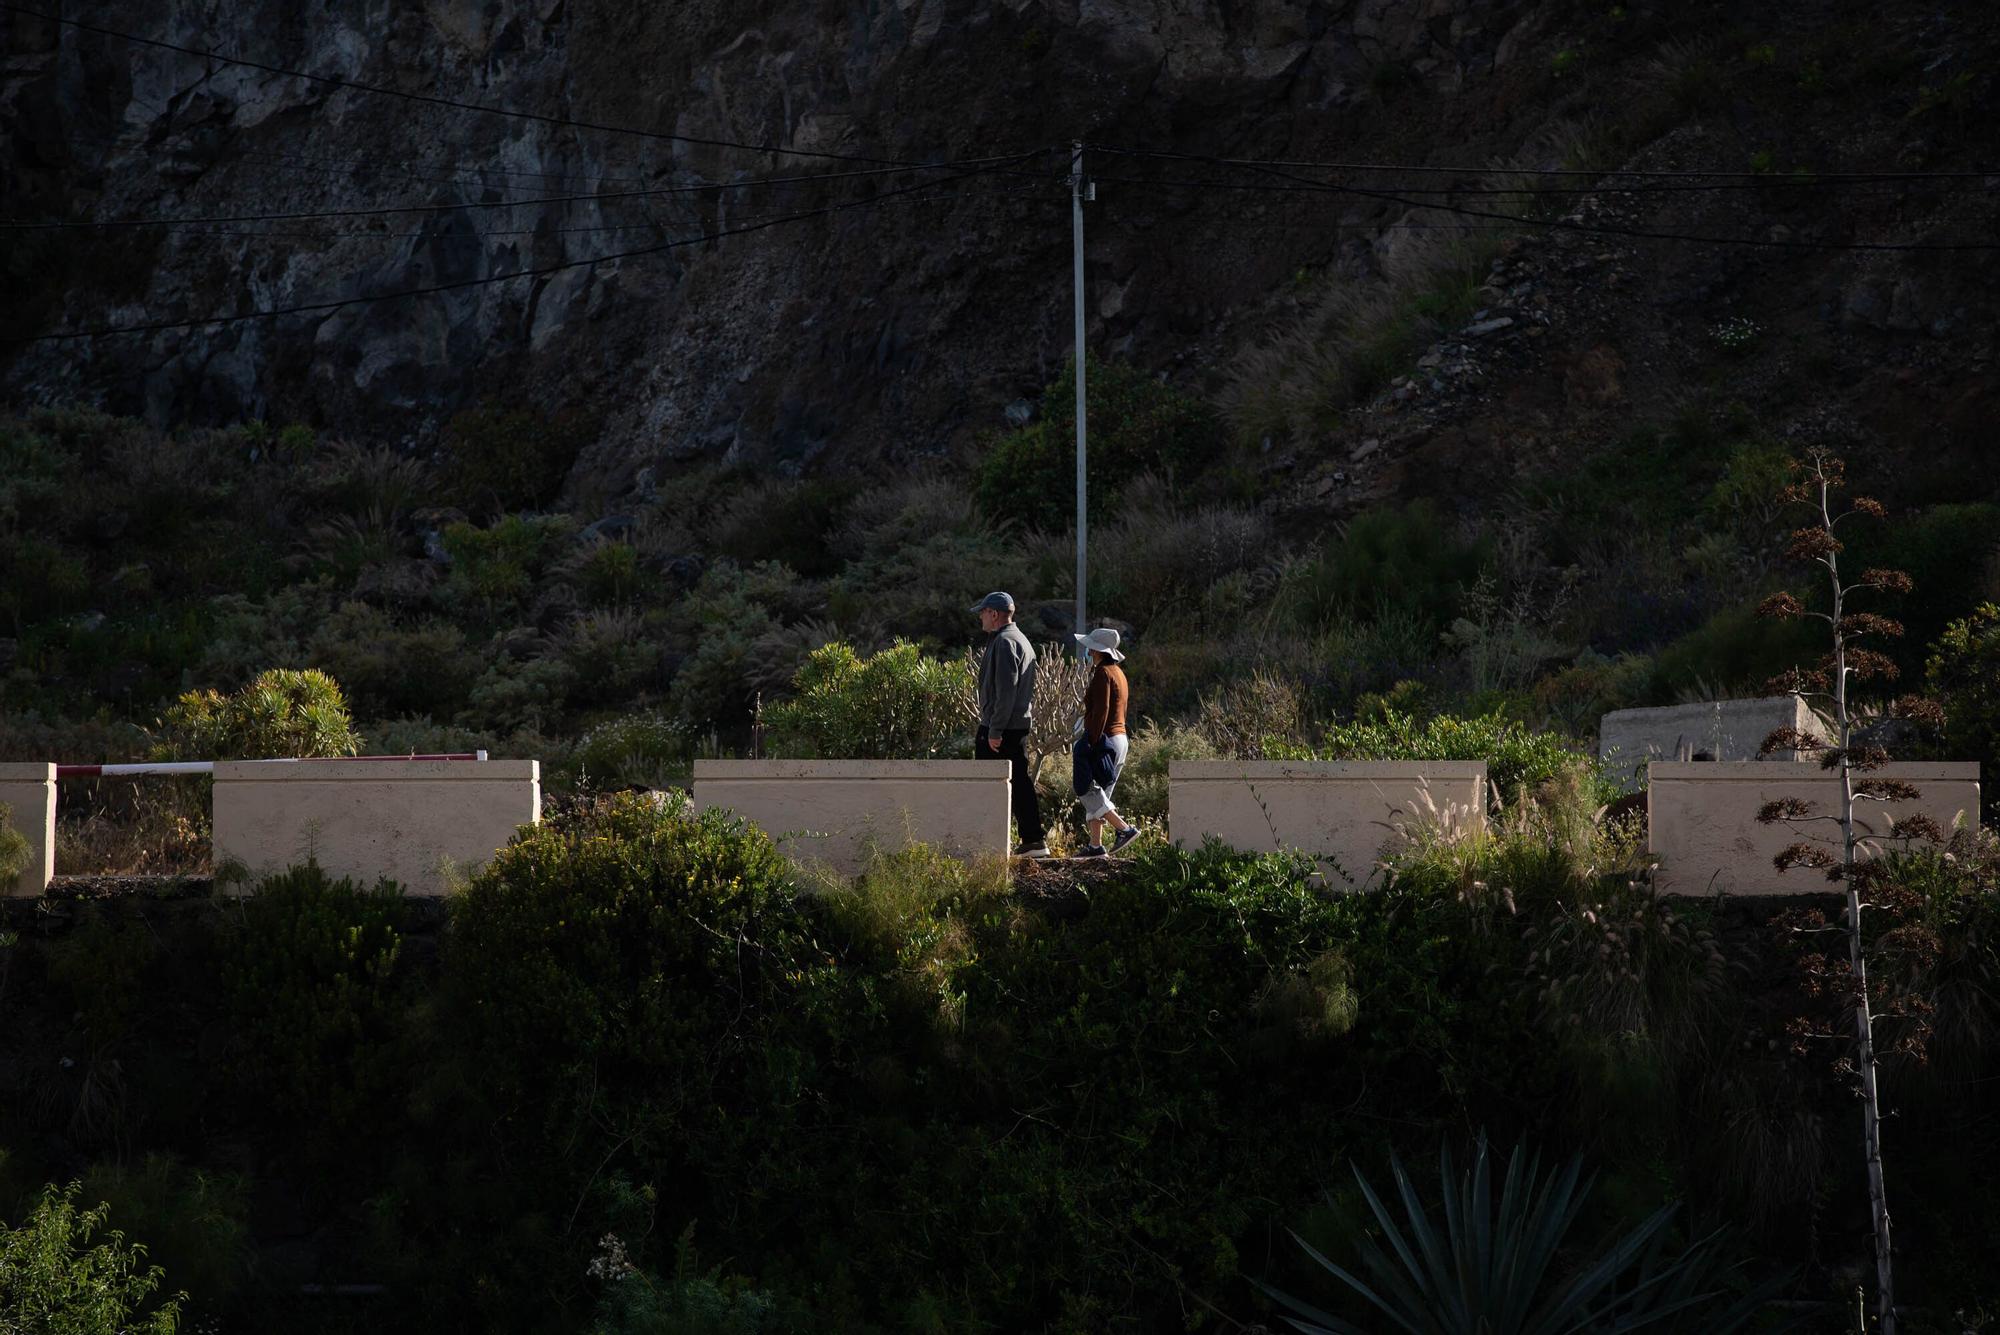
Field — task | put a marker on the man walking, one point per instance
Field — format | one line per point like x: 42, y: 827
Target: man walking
x: 1007, y: 711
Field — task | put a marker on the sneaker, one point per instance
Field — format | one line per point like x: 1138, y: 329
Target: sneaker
x: 1124, y: 837
x: 1092, y: 851
x: 1038, y: 849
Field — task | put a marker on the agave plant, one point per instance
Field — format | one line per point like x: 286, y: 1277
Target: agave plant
x: 1495, y: 1267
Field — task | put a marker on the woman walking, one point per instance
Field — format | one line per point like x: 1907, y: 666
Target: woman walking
x: 1100, y: 748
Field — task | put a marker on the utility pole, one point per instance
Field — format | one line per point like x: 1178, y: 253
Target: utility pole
x: 1079, y: 191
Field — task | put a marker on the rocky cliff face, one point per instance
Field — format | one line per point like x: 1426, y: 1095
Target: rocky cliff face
x: 887, y: 331
x: 884, y: 328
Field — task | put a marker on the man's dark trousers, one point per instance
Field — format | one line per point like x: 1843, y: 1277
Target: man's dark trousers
x: 1014, y: 750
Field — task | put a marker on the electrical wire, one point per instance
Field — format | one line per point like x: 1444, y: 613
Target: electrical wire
x: 83, y: 224
x: 1520, y: 171
x: 431, y: 99
x: 1300, y: 184
x: 367, y: 234
x: 306, y: 308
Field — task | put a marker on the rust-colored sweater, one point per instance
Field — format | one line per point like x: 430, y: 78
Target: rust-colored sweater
x: 1104, y: 702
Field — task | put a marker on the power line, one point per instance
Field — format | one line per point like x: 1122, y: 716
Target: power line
x: 461, y: 175
x: 1305, y: 185
x: 430, y: 99
x: 366, y: 234
x: 306, y: 308
x: 386, y: 209
x: 1519, y: 171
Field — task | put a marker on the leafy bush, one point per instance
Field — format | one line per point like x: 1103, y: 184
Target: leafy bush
x: 311, y: 969
x: 1385, y: 561
x: 614, y: 652
x: 1734, y: 650
x: 1963, y: 674
x: 495, y: 567
x: 605, y: 573
x: 104, y: 969
x: 1137, y: 425
x: 282, y: 713
x: 518, y: 696
x: 388, y: 669
x: 510, y: 458
x: 895, y: 705
x: 199, y: 1221
x: 613, y: 975
x: 745, y: 626
x: 688, y: 1300
x: 1951, y: 553
x: 53, y: 1280
x: 635, y: 750
x: 1516, y: 756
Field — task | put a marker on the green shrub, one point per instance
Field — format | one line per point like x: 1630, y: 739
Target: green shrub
x: 104, y: 968
x: 198, y: 1221
x: 44, y: 580
x: 512, y: 458
x: 615, y: 652
x: 1963, y: 674
x: 895, y: 705
x: 1951, y: 553
x: 795, y: 523
x: 635, y: 751
x: 738, y: 620
x: 389, y: 669
x: 496, y: 567
x: 608, y: 573
x: 54, y: 1282
x: 311, y: 973
x: 519, y: 696
x: 1137, y: 425
x: 1384, y: 562
x: 1516, y: 756
x: 691, y: 1300
x: 609, y: 979
x: 1734, y: 650
x: 281, y: 714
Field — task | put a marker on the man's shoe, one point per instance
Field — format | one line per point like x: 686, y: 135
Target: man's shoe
x: 1124, y: 837
x: 1038, y: 849
x: 1092, y: 851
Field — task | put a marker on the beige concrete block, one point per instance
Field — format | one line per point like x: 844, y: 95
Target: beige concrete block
x: 404, y: 819
x: 30, y: 791
x: 825, y: 812
x: 1343, y: 810
x: 1703, y: 827
x: 1627, y: 739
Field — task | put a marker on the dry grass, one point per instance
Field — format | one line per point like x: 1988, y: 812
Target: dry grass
x: 134, y: 827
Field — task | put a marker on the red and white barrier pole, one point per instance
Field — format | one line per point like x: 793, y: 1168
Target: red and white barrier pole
x: 144, y: 768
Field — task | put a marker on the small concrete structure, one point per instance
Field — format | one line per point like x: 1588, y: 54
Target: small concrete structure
x: 404, y: 819
x: 1342, y: 810
x: 1718, y: 730
x: 1702, y: 818
x: 30, y: 792
x: 826, y: 812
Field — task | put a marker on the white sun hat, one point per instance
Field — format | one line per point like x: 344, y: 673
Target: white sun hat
x: 1103, y: 640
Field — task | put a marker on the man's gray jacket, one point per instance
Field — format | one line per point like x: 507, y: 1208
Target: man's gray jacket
x: 1007, y: 681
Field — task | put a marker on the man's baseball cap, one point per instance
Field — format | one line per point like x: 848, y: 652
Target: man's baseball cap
x: 999, y: 602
